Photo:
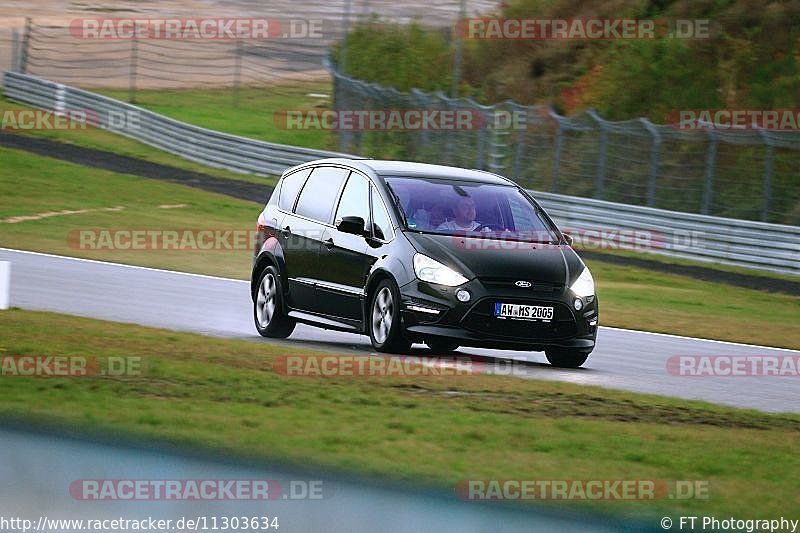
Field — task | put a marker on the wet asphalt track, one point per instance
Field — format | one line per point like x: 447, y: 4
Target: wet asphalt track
x: 624, y: 359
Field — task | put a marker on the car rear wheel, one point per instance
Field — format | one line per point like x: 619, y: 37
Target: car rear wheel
x: 564, y: 358
x: 441, y: 345
x: 268, y: 309
x: 383, y: 320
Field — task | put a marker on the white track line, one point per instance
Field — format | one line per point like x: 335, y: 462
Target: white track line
x: 700, y: 339
x: 177, y: 272
x: 669, y: 335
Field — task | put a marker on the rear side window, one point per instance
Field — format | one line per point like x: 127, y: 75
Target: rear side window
x: 290, y: 186
x: 320, y: 193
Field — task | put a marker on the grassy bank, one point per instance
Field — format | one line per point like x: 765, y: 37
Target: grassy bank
x: 100, y: 139
x: 225, y: 395
x: 257, y: 115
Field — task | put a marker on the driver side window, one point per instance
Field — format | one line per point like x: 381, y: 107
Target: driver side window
x: 355, y: 199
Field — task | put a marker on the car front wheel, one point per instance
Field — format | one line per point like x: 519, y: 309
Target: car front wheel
x: 383, y: 320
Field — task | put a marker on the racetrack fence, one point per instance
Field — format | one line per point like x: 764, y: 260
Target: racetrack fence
x: 745, y: 243
x: 744, y: 174
x: 747, y: 174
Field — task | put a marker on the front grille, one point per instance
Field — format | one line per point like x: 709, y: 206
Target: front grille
x: 480, y: 319
x: 537, y: 288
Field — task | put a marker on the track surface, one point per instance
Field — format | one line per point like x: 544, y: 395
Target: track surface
x: 624, y: 359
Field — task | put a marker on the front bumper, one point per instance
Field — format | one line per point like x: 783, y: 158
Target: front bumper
x: 431, y: 310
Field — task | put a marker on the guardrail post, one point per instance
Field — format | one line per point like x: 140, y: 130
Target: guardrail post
x: 26, y: 44
x: 767, y: 175
x: 342, y: 64
x: 711, y: 161
x: 342, y: 88
x: 655, y: 153
x: 15, y: 50
x: 449, y: 135
x: 559, y: 140
x: 462, y: 13
x: 421, y: 101
x: 522, y: 130
x: 237, y: 71
x: 132, y: 73
x: 499, y: 144
x: 481, y: 137
x: 601, y: 154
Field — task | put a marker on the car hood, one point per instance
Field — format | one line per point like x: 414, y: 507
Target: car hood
x: 485, y: 257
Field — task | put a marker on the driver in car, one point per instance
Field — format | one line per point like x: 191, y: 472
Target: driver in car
x: 464, y: 219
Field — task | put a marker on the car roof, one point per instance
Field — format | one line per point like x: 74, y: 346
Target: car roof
x: 422, y: 170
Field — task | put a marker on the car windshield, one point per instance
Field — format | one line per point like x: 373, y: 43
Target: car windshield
x: 455, y: 207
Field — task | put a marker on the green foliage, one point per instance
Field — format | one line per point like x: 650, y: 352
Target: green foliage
x: 652, y: 79
x: 749, y: 60
x: 397, y: 56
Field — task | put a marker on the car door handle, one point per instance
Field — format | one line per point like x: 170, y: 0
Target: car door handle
x: 286, y: 232
x: 328, y: 244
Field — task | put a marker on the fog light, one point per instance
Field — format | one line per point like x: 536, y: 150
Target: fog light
x: 578, y: 304
x: 463, y: 295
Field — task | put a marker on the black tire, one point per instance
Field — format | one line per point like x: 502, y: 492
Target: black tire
x: 383, y: 319
x: 564, y: 358
x: 441, y: 346
x: 271, y: 320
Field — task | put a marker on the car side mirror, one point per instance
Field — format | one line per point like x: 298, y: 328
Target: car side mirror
x: 568, y: 238
x: 354, y: 225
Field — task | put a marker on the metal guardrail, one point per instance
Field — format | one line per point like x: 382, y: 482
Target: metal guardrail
x: 744, y: 243
x: 201, y: 145
x: 742, y: 173
x: 705, y: 238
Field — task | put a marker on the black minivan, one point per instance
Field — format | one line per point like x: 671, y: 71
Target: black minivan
x: 412, y: 252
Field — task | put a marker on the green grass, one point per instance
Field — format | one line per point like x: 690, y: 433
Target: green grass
x: 630, y: 297
x: 105, y: 140
x: 223, y: 395
x: 254, y: 117
x: 637, y: 298
x: 33, y: 185
x: 666, y: 260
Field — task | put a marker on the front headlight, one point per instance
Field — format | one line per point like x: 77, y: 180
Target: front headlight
x: 433, y: 271
x: 584, y: 285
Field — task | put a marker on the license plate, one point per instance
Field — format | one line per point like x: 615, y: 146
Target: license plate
x: 522, y: 312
